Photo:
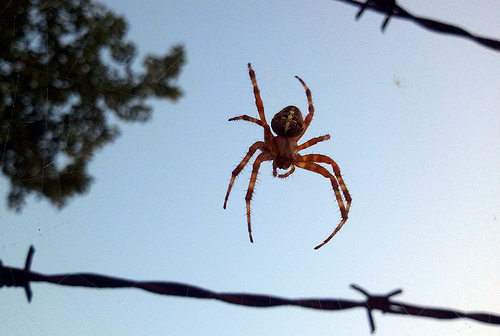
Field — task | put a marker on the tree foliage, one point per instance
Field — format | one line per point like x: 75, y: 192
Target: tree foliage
x: 65, y: 69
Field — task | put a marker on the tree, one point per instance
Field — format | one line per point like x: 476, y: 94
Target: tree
x: 65, y: 68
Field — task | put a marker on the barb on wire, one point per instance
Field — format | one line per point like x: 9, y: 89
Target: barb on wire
x: 11, y: 276
x: 390, y: 8
x: 376, y: 302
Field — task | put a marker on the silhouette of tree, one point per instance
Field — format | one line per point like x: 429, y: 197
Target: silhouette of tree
x: 64, y: 65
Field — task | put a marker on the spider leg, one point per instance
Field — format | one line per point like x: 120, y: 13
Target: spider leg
x: 256, y: 93
x: 314, y: 167
x: 248, y: 118
x: 260, y: 106
x: 308, y: 119
x: 328, y: 160
x: 314, y: 141
x: 265, y: 156
x: 251, y: 151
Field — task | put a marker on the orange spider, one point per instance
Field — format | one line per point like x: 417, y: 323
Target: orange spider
x: 283, y: 150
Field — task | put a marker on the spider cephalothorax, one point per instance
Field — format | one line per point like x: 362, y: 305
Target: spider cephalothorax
x: 283, y: 150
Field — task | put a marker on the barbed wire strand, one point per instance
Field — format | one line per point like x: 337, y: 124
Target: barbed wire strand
x: 16, y: 277
x: 390, y: 8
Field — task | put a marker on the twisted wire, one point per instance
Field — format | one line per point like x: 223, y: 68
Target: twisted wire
x: 390, y: 9
x: 16, y: 277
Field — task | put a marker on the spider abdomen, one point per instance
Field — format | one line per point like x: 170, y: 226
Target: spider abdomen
x: 288, y: 122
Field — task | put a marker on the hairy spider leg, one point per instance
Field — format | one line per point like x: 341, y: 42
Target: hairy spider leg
x: 251, y: 151
x: 336, y: 169
x: 256, y: 93
x: 316, y: 168
x: 314, y: 141
x: 262, y: 157
x: 268, y: 136
x: 248, y: 118
x: 305, y: 145
x: 309, y: 117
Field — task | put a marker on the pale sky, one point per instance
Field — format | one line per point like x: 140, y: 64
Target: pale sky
x: 414, y: 123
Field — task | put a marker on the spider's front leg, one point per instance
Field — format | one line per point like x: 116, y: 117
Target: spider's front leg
x: 256, y: 93
x: 309, y: 116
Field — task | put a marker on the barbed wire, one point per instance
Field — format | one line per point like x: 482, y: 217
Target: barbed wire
x: 16, y: 277
x: 390, y: 8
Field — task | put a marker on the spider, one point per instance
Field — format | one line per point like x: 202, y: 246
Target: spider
x: 283, y: 150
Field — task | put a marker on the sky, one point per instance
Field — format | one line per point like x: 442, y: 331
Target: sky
x: 414, y: 123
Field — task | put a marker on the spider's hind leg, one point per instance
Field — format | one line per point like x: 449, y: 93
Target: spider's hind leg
x: 307, y: 162
x: 336, y: 169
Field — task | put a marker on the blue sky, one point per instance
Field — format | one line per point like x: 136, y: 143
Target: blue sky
x: 420, y: 160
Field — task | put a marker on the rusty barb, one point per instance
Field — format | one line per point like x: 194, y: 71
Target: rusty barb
x: 15, y: 277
